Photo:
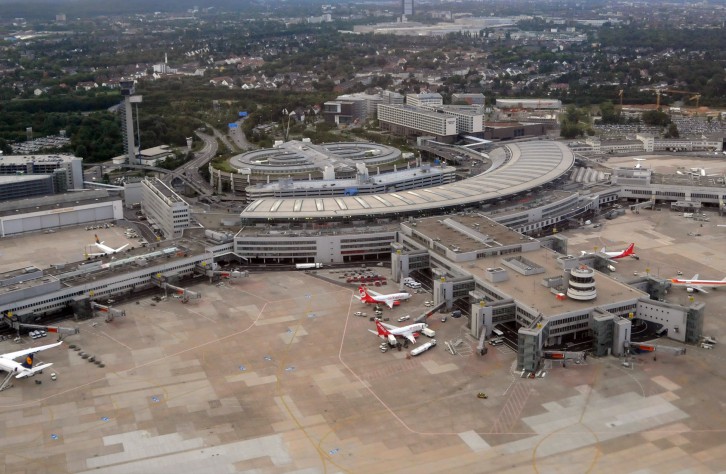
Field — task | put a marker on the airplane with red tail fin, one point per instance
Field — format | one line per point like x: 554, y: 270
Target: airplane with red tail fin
x: 390, y: 333
x: 393, y: 299
x: 628, y: 252
x: 694, y: 284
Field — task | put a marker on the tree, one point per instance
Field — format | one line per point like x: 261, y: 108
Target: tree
x: 5, y: 147
x: 656, y: 117
x: 672, y: 131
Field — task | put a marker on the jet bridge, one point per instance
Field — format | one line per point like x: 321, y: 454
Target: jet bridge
x: 14, y: 323
x: 215, y: 273
x: 179, y: 292
x: 110, y: 312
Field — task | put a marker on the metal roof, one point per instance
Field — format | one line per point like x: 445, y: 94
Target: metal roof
x: 527, y: 165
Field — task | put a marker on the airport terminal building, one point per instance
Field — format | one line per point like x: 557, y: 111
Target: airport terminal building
x: 472, y: 236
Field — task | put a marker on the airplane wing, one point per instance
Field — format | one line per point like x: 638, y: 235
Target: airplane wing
x: 390, y: 303
x: 695, y: 277
x: 122, y: 247
x: 94, y: 254
x: 31, y: 350
x: 388, y: 326
x: 372, y: 293
x: 699, y: 288
x: 410, y: 337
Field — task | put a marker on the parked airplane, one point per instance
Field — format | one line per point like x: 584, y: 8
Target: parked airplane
x: 393, y: 299
x: 24, y: 369
x: 628, y: 252
x: 390, y: 333
x: 105, y: 249
x: 694, y: 284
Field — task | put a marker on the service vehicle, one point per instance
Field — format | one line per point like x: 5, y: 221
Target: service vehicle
x: 424, y: 347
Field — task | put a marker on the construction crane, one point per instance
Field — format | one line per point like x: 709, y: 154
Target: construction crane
x: 110, y: 312
x: 658, y: 92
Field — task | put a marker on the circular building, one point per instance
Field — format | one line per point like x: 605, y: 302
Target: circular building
x: 329, y: 160
x: 581, y: 286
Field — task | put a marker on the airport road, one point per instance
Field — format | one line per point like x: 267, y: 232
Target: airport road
x: 274, y: 373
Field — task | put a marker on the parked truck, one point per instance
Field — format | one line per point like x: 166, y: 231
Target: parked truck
x: 423, y: 347
x: 428, y: 332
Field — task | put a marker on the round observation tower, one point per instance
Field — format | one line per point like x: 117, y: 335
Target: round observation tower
x: 581, y: 286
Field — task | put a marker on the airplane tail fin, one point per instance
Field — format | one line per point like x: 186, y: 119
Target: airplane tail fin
x: 98, y: 241
x: 28, y: 363
x: 630, y: 249
x: 381, y: 330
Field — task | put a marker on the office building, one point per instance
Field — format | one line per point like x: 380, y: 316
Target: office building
x: 429, y: 98
x: 166, y: 211
x: 357, y: 108
x: 413, y: 121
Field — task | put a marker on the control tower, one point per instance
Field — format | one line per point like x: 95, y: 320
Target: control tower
x: 127, y: 127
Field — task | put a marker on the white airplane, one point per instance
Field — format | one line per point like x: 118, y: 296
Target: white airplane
x: 105, y: 249
x: 638, y: 164
x: 24, y: 369
x: 694, y: 284
x: 393, y: 299
x: 390, y: 333
x: 628, y: 252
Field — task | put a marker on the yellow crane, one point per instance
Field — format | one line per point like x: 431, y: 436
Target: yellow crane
x: 658, y: 92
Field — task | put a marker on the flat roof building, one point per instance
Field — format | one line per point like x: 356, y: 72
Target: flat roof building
x: 529, y: 104
x: 412, y: 121
x: 428, y: 98
x: 70, y: 165
x: 469, y: 99
x: 165, y: 209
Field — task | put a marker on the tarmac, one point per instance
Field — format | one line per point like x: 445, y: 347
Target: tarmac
x: 274, y: 374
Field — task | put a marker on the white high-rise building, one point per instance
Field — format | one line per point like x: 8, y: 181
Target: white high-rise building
x: 164, y: 208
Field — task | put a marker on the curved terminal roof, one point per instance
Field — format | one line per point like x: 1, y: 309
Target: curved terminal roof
x: 525, y: 166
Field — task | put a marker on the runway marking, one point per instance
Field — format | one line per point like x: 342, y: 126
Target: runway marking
x: 115, y: 340
x: 512, y: 409
x: 200, y: 314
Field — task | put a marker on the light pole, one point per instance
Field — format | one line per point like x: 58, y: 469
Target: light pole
x: 287, y: 130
